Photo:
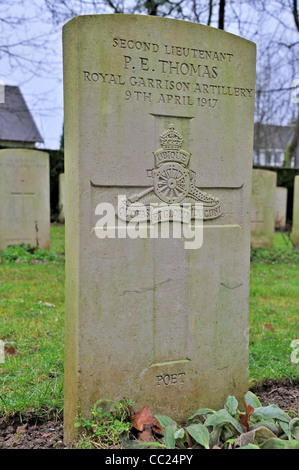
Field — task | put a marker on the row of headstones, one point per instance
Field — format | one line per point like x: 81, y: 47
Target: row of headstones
x: 25, y: 208
x: 269, y: 209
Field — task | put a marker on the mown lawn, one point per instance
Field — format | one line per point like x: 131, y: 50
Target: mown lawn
x: 32, y: 324
x: 274, y: 311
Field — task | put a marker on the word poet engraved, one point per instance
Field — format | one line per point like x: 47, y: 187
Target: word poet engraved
x: 171, y: 379
x: 169, y: 74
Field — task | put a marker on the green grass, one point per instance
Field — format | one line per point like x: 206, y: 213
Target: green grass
x: 57, y: 238
x: 274, y: 311
x: 32, y: 379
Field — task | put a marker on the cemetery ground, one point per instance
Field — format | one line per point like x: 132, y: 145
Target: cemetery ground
x: 32, y: 326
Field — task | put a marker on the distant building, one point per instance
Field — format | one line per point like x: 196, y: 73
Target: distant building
x: 17, y: 127
x: 270, y: 143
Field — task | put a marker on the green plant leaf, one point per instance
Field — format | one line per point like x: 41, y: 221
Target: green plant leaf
x: 294, y: 428
x: 164, y: 420
x: 276, y: 443
x: 222, y: 417
x: 135, y: 444
x: 169, y: 435
x: 215, y: 437
x: 200, y: 434
x: 232, y: 405
x: 179, y: 434
x: 285, y: 427
x: 262, y: 434
x: 201, y: 412
x: 230, y: 441
x: 274, y: 427
x: 271, y: 412
x: 252, y: 400
x: 249, y: 446
x: 227, y: 432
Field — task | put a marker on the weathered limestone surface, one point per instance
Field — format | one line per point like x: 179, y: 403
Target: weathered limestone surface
x: 281, y: 207
x: 25, y: 198
x: 295, y: 225
x: 263, y: 208
x: 146, y: 317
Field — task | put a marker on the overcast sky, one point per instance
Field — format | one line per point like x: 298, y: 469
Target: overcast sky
x: 35, y: 59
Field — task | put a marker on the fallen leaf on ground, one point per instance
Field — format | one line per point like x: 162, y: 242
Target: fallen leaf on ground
x: 46, y: 435
x: 10, y: 350
x: 145, y: 423
x: 268, y: 326
x: 244, y: 418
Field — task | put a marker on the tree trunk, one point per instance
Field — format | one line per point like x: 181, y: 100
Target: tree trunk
x: 210, y: 12
x: 221, y: 14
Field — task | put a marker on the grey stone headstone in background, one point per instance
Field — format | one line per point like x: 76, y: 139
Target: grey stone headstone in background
x: 25, y: 198
x: 295, y: 224
x: 61, y: 216
x: 281, y: 207
x: 263, y: 208
x: 159, y: 111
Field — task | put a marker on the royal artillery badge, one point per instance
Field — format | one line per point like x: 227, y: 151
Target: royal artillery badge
x: 173, y: 181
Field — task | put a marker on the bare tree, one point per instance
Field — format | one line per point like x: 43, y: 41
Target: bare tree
x: 265, y: 22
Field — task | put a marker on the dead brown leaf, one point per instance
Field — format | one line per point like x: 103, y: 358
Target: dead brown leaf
x: 268, y: 326
x: 146, y: 435
x: 10, y: 350
x: 145, y: 423
x: 244, y: 418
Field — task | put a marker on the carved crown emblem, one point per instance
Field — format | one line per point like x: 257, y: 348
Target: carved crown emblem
x: 171, y: 139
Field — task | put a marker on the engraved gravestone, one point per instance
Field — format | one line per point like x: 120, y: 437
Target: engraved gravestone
x: 158, y: 157
x: 281, y: 207
x: 263, y: 208
x: 295, y: 223
x: 25, y: 198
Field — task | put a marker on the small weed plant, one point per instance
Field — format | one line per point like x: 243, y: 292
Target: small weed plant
x: 258, y: 427
x: 107, y: 423
x: 26, y: 253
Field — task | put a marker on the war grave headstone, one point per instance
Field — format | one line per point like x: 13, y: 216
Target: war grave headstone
x: 281, y: 207
x: 295, y: 223
x: 25, y: 198
x: 61, y: 216
x: 263, y: 208
x: 158, y: 158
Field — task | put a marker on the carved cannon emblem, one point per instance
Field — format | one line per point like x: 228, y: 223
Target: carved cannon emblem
x: 173, y: 181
